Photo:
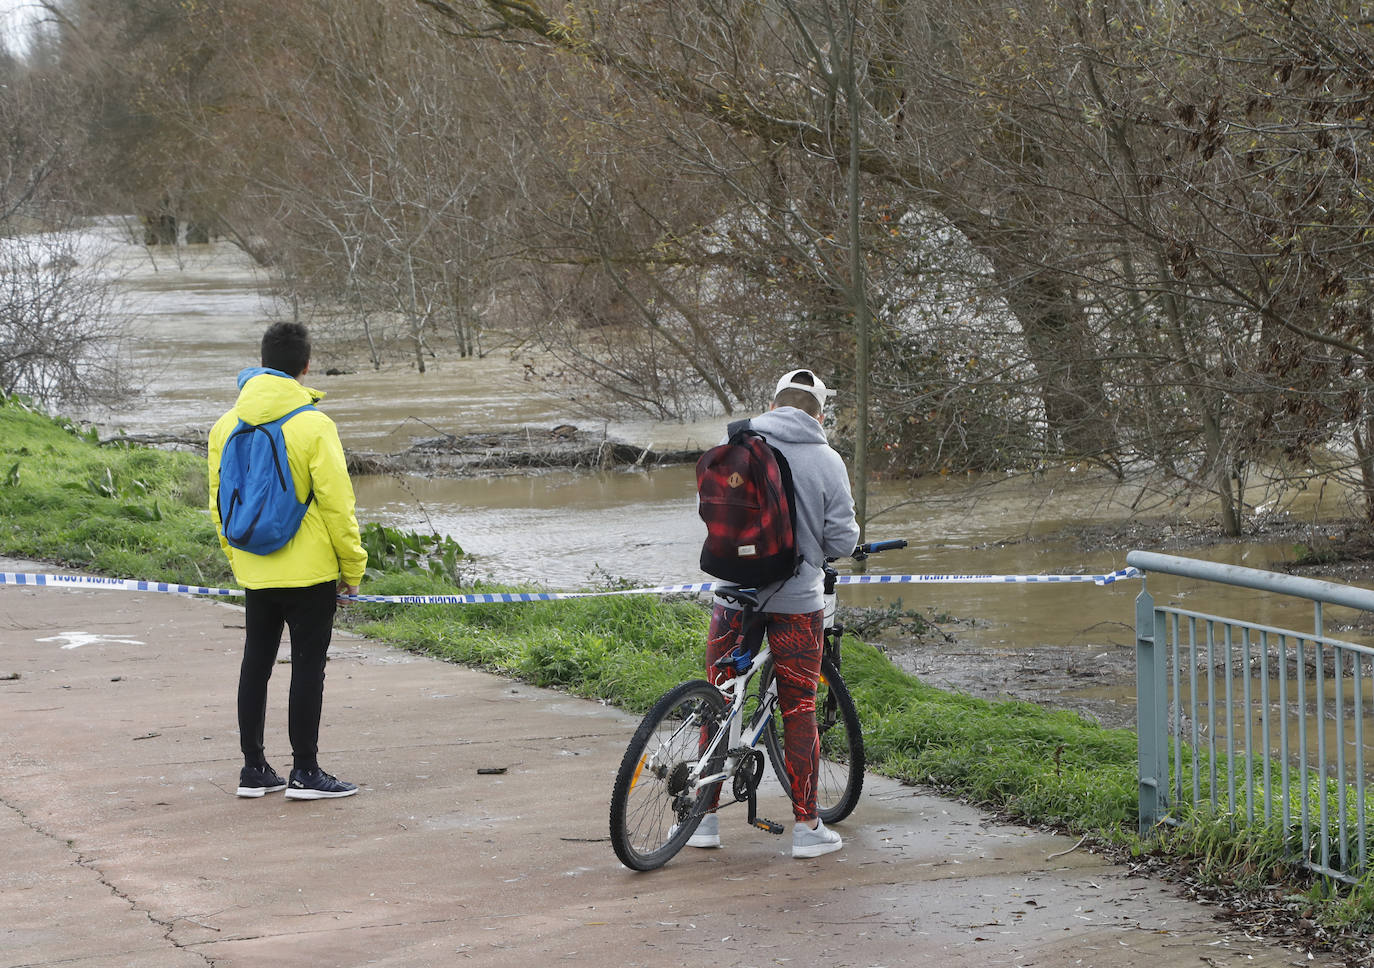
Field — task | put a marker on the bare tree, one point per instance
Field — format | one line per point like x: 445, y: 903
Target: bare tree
x: 60, y: 331
x: 378, y: 203
x: 748, y: 68
x: 140, y: 72
x: 1129, y: 234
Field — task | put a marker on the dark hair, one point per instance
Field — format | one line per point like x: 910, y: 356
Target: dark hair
x: 286, y: 347
x: 801, y: 399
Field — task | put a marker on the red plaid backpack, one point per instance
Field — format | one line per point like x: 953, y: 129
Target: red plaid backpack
x: 745, y: 494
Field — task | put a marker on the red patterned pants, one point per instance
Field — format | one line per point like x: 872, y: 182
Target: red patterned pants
x: 795, y: 642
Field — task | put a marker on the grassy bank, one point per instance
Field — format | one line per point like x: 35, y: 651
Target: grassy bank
x: 133, y: 512
x: 118, y: 510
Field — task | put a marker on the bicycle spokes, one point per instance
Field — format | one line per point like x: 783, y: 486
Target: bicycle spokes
x: 658, y: 797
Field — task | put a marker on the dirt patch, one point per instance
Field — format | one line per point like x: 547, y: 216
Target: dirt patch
x: 1276, y: 912
x: 1096, y: 683
x: 1181, y: 534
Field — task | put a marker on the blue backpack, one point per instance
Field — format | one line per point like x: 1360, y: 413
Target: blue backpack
x: 257, y: 498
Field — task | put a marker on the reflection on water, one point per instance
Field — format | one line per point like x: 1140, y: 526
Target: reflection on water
x: 201, y: 314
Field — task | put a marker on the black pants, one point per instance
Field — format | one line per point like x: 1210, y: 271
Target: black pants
x: 309, y: 614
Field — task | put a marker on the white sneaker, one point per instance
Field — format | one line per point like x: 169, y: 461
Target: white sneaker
x: 707, y: 833
x: 813, y: 843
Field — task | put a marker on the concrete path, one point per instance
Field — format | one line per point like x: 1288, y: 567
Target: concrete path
x: 122, y: 843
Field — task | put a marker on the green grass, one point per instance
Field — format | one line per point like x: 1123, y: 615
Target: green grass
x: 119, y: 510
x: 625, y: 650
x: 133, y: 512
x: 1035, y: 764
x: 1039, y: 765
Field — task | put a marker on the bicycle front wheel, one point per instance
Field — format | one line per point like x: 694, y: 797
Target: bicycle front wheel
x: 840, y: 774
x: 653, y: 806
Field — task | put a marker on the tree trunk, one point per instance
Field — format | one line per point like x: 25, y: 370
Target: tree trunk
x: 1058, y: 342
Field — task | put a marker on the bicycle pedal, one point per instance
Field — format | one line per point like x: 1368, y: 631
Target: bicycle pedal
x: 768, y: 825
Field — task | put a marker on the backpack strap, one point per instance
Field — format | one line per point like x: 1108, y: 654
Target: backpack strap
x: 282, y: 421
x: 287, y: 416
x: 736, y: 427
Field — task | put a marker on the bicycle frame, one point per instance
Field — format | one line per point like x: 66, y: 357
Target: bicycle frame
x: 736, y: 689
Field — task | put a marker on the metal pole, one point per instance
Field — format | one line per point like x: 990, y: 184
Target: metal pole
x: 1152, y: 751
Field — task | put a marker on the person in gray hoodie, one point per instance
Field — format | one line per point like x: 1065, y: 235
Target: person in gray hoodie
x: 793, y: 608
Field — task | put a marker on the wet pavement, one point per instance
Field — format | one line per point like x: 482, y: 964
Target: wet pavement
x: 123, y: 842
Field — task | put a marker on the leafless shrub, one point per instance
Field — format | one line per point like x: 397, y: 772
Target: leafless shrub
x: 61, y: 332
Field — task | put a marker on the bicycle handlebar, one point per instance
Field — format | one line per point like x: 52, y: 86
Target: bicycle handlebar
x: 873, y: 547
x: 862, y: 551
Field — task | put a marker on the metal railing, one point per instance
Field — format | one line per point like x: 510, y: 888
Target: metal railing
x: 1265, y: 725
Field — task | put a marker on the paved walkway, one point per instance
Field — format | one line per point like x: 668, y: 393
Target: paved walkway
x: 123, y: 843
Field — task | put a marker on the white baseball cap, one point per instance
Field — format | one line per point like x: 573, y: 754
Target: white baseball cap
x: 805, y: 380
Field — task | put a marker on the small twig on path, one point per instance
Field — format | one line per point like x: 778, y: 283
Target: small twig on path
x: 1061, y: 853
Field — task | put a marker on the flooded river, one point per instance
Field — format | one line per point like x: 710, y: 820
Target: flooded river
x: 200, y: 312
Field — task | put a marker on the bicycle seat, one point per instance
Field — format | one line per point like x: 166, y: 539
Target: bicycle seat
x: 740, y: 596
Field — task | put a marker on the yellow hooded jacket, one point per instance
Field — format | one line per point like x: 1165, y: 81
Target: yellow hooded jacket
x: 327, y: 546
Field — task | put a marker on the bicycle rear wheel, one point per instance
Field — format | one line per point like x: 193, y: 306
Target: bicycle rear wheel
x: 653, y: 808
x: 840, y: 776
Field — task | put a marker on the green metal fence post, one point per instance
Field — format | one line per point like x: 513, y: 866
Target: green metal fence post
x: 1152, y: 719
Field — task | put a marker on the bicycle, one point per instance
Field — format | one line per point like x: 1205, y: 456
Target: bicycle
x: 698, y: 737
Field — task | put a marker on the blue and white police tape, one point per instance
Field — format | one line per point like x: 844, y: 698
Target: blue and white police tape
x: 493, y: 598
x: 699, y: 587
x: 1106, y: 579
x: 115, y: 584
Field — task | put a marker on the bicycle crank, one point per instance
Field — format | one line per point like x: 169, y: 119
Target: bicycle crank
x: 746, y: 787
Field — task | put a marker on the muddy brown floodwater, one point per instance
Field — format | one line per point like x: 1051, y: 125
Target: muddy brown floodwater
x: 200, y: 312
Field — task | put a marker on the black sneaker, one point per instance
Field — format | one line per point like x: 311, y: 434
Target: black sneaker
x: 254, y: 781
x: 316, y: 784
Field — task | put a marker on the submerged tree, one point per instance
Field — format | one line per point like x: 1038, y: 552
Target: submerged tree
x: 379, y: 204
x: 782, y: 98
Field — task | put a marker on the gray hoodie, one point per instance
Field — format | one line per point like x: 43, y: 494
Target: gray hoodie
x: 826, y: 527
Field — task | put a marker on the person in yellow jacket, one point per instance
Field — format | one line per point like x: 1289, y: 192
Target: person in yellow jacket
x: 300, y: 585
